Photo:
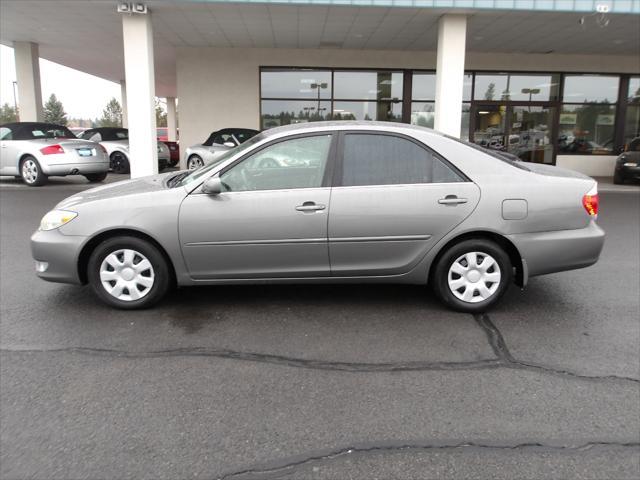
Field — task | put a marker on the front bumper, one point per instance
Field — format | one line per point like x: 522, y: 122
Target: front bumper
x: 628, y: 172
x: 550, y: 252
x: 75, y: 168
x: 60, y: 253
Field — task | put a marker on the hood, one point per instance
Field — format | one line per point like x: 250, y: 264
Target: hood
x: 123, y: 189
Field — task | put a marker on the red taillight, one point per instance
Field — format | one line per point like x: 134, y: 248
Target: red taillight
x: 590, y: 201
x: 51, y: 150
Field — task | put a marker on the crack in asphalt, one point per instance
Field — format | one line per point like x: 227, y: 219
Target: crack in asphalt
x: 287, y: 466
x: 501, y: 350
x: 504, y: 358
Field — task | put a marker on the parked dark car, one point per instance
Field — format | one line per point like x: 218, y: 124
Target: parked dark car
x: 628, y: 163
x: 115, y: 140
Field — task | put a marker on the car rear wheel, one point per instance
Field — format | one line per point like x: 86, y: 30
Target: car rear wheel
x: 119, y: 163
x: 472, y: 275
x: 31, y: 172
x: 194, y: 162
x: 128, y: 273
x: 96, y: 177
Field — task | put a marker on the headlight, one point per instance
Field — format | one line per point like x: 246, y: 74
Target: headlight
x: 56, y: 218
x: 630, y: 164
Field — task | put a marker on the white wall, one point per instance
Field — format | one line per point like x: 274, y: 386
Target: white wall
x: 592, y: 165
x: 220, y: 87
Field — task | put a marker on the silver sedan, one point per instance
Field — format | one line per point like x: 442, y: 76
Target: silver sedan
x: 35, y: 151
x: 356, y: 202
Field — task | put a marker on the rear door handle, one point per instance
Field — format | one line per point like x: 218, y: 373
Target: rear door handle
x: 452, y: 200
x: 310, y: 207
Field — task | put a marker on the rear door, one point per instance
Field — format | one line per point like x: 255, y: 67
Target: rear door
x: 393, y: 199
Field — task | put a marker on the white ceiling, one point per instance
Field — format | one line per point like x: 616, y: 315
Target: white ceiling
x: 87, y: 34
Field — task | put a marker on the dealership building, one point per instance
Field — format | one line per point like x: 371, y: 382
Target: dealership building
x: 552, y: 81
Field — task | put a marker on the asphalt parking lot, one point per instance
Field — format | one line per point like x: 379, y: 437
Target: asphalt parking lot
x: 320, y: 382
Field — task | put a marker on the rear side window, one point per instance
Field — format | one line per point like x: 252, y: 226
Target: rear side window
x: 5, y: 133
x: 370, y: 159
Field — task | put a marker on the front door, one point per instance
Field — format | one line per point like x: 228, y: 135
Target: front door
x: 393, y: 200
x: 271, y: 220
x: 521, y: 129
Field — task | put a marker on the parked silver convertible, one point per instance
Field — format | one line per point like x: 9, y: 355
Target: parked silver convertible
x: 369, y: 202
x: 35, y: 151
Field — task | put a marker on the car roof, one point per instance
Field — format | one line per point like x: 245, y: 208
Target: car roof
x: 348, y: 125
x: 27, y: 124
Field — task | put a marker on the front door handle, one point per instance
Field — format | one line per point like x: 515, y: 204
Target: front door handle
x: 452, y: 200
x: 310, y: 207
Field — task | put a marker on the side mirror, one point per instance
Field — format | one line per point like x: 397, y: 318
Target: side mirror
x: 212, y: 186
x: 229, y: 144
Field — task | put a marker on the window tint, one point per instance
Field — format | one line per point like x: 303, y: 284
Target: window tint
x: 42, y: 130
x: 388, y: 160
x: 295, y: 163
x: 5, y: 133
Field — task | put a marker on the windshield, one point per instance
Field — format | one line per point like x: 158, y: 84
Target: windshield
x: 202, y: 173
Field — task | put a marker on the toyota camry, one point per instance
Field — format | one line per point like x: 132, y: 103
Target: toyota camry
x: 328, y: 202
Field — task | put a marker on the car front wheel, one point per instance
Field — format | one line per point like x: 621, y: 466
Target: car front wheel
x: 128, y: 273
x: 472, y: 275
x: 194, y: 162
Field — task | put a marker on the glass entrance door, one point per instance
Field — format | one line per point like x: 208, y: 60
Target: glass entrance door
x: 523, y: 130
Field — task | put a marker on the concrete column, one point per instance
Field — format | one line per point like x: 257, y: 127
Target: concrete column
x: 172, y: 124
x: 28, y: 80
x: 137, y: 37
x: 452, y: 33
x: 123, y: 97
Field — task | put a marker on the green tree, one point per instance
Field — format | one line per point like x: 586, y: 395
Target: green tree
x: 491, y: 92
x: 8, y: 114
x: 111, y: 115
x: 161, y: 115
x: 54, y: 111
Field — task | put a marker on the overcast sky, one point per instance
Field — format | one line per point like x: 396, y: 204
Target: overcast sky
x: 83, y: 95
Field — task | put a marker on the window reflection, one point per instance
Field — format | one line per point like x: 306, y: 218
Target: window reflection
x: 381, y: 85
x: 590, y: 88
x: 586, y: 129
x: 285, y: 112
x: 295, y: 84
x: 381, y: 111
x: 511, y: 87
x: 423, y: 114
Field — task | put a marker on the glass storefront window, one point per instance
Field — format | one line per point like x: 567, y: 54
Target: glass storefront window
x: 587, y: 128
x: 381, y: 85
x: 423, y: 86
x: 284, y: 112
x: 423, y: 114
x: 516, y: 87
x: 295, y: 84
x: 590, y: 89
x: 464, y: 123
x: 632, y: 124
x: 381, y: 111
x: 634, y: 90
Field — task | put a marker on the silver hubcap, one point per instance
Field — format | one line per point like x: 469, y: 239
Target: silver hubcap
x: 195, y: 162
x: 474, y: 277
x: 29, y: 171
x: 126, y: 275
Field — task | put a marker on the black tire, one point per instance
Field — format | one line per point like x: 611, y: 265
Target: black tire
x: 173, y: 163
x: 96, y: 177
x: 440, y: 276
x: 194, y: 162
x: 160, y: 271
x: 618, y: 179
x: 119, y: 163
x: 31, y: 172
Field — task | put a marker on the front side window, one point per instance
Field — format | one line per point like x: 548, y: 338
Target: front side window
x: 370, y: 159
x: 295, y: 163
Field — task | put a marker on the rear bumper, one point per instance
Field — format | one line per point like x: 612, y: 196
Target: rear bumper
x: 60, y: 254
x: 75, y: 168
x: 550, y: 252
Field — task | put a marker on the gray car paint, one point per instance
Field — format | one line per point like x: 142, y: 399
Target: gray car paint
x: 207, y: 242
